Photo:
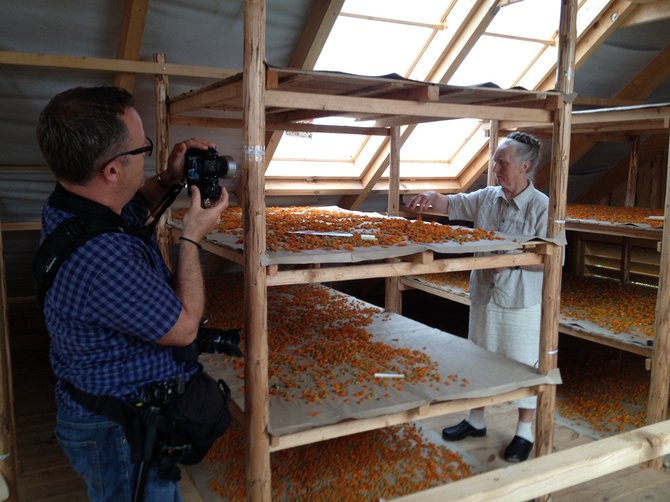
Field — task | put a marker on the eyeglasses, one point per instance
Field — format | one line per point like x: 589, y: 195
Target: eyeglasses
x: 148, y: 149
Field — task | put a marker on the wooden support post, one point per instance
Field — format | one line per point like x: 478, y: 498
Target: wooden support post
x: 578, y: 251
x: 660, y: 357
x: 494, y: 133
x: 162, y: 149
x: 392, y: 294
x: 256, y: 401
x: 656, y: 177
x: 394, y: 173
x: 393, y: 297
x: 631, y: 185
x: 625, y: 261
x: 560, y: 163
x: 8, y: 464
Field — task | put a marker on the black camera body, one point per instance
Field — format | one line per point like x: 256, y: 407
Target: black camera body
x: 203, y: 169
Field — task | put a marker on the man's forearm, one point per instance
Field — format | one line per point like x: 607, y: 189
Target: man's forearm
x: 188, y: 285
x: 188, y: 282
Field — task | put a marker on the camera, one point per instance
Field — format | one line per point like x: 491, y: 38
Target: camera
x: 210, y: 341
x: 162, y: 393
x: 204, y: 168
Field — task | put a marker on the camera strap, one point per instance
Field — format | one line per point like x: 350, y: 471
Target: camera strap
x: 116, y: 410
x: 91, y: 219
x: 167, y: 200
x: 110, y: 407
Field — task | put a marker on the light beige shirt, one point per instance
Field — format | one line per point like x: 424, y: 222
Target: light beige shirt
x: 525, y: 214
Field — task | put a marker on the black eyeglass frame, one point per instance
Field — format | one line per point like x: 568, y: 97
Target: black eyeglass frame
x: 148, y: 149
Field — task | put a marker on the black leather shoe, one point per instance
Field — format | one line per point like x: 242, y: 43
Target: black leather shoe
x: 518, y: 449
x: 461, y: 431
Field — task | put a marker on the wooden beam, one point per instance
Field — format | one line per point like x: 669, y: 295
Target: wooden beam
x: 625, y: 231
x: 474, y: 169
x: 359, y: 425
x: 649, y: 12
x: 612, y: 17
x: 315, y: 32
x: 543, y: 475
x: 130, y: 43
x: 347, y: 104
x: 638, y: 88
x: 256, y: 397
x: 657, y: 409
x: 343, y: 273
x: 598, y: 102
x: 657, y: 173
x: 394, y: 174
x: 624, y: 266
x: 392, y: 295
x: 649, y: 78
x: 111, y: 65
x: 230, y: 123
x: 325, y: 186
x: 370, y: 177
x: 493, y: 145
x: 631, y: 184
x: 161, y: 92
x: 551, y: 286
x: 592, y: 38
x: 464, y: 38
x: 617, y: 175
x: 20, y: 226
x: 8, y: 464
x: 231, y: 92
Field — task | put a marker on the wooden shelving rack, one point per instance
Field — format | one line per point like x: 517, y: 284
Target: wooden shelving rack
x: 262, y: 98
x: 635, y: 121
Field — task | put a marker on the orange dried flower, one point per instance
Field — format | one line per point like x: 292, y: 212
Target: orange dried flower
x: 614, y: 214
x: 286, y: 227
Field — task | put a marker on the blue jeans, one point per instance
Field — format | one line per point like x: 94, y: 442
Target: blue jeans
x: 98, y: 451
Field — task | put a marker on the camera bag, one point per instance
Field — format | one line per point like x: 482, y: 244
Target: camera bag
x: 200, y: 415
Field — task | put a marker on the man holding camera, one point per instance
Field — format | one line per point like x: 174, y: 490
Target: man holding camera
x: 114, y: 311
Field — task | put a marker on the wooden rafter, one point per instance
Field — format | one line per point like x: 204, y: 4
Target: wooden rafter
x: 86, y: 63
x: 618, y: 174
x: 638, y: 88
x: 594, y: 36
x: 130, y: 38
x: 649, y: 78
x: 318, y: 26
x: 655, y: 10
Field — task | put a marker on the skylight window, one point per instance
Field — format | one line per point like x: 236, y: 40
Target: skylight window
x: 410, y: 38
x: 355, y: 46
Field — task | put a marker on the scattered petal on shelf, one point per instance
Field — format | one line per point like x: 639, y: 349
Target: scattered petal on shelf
x: 341, y: 362
x: 384, y: 463
x: 285, y: 227
x: 622, y: 215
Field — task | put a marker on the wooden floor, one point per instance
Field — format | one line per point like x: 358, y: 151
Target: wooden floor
x: 45, y: 475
